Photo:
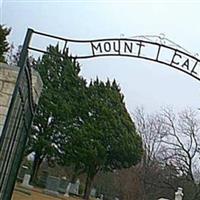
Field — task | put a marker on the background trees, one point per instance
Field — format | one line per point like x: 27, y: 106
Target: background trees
x: 182, y: 148
x: 171, y: 143
x: 152, y: 130
x: 182, y: 141
x: 4, y: 45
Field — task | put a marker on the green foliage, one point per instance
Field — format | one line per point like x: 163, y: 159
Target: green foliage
x: 57, y: 105
x: 4, y: 46
x: 84, y: 126
x: 107, y: 139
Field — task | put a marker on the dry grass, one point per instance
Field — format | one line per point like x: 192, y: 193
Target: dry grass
x: 36, y: 194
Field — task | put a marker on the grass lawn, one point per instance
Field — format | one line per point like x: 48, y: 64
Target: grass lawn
x: 36, y: 194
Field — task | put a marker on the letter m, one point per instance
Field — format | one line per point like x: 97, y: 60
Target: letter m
x: 96, y: 48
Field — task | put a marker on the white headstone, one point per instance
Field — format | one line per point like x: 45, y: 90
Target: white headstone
x: 179, y: 194
x: 67, y: 190
x: 93, y: 192
x: 26, y: 181
x: 101, y: 197
x: 74, y: 188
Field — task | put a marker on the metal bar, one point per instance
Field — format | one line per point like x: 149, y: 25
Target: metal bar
x: 145, y: 58
x: 38, y: 50
x: 19, y: 154
x: 8, y: 184
x: 29, y: 83
x: 11, y: 151
x: 8, y: 145
x: 22, y: 59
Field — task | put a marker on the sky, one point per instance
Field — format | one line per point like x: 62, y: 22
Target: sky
x: 144, y: 83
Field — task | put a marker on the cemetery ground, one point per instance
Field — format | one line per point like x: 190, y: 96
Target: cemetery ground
x: 36, y: 194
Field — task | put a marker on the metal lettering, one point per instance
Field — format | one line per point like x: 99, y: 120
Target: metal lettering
x: 186, y: 63
x: 126, y: 46
x: 107, y: 44
x: 96, y: 48
x: 192, y: 71
x: 115, y: 48
x: 140, y: 46
x: 173, y: 61
x: 158, y: 53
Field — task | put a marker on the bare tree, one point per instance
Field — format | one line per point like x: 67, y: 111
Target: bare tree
x: 182, y: 141
x: 152, y: 130
x: 172, y: 145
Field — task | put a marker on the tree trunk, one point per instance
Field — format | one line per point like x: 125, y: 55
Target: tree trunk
x: 88, y: 185
x: 36, y: 165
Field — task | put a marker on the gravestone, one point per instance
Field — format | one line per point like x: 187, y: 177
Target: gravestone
x: 100, y: 198
x: 63, y: 185
x: 26, y: 181
x: 23, y: 170
x: 93, y: 192
x: 74, y: 188
x: 68, y: 189
x: 52, y: 186
x: 43, y: 179
x: 179, y: 194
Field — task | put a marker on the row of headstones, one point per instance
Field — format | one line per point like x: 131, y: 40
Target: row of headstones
x: 178, y: 195
x: 54, y: 185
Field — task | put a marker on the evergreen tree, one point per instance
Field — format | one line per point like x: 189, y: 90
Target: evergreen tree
x: 107, y: 139
x: 58, y: 105
x: 4, y: 45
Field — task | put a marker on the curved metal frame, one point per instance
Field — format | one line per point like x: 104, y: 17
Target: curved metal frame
x: 158, y: 41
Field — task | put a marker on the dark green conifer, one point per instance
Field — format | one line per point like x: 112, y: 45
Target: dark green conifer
x: 4, y: 45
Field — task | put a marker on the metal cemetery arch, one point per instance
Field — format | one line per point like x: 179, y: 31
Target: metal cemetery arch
x: 154, y: 48
x: 22, y: 109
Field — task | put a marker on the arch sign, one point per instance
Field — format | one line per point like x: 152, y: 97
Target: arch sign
x: 140, y: 49
x: 153, y: 48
